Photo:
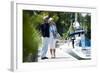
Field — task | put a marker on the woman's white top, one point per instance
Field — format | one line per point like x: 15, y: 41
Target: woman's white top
x: 52, y: 39
x: 52, y: 29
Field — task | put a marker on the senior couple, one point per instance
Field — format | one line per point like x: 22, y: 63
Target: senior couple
x: 49, y: 32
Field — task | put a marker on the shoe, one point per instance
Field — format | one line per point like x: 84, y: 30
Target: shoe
x: 53, y: 57
x: 44, y: 58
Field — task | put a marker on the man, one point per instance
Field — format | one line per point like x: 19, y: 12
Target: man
x: 45, y: 33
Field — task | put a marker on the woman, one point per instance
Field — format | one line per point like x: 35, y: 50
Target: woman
x: 53, y: 32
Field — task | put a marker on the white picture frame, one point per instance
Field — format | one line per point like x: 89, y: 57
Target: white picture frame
x: 16, y: 51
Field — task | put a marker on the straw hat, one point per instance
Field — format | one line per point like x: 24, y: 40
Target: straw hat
x: 45, y: 17
x: 50, y: 19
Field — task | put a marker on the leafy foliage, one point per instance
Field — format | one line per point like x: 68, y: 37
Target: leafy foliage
x: 31, y: 36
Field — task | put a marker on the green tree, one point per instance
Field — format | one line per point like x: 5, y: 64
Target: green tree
x: 31, y: 36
